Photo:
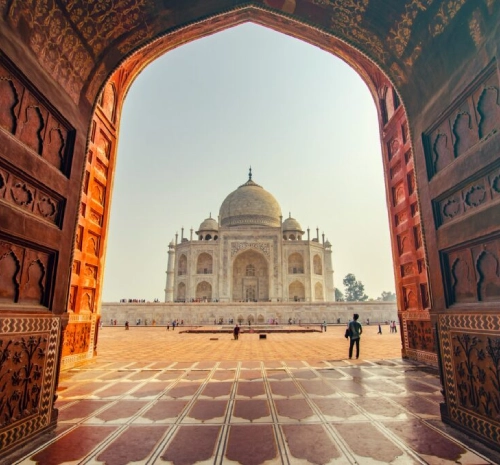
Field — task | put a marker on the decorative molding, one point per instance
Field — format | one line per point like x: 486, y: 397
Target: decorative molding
x: 264, y: 247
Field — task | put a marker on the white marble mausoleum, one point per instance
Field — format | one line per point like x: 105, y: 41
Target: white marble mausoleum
x: 250, y: 254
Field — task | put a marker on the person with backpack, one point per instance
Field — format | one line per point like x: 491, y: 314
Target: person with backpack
x: 355, y: 330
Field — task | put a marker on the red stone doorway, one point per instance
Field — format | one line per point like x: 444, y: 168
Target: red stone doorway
x: 401, y: 190
x: 47, y: 95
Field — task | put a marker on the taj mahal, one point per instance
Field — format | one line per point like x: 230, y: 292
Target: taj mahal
x: 250, y: 254
x: 249, y: 265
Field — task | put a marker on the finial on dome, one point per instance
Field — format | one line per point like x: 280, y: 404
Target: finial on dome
x: 250, y: 174
x: 210, y: 215
x: 289, y: 214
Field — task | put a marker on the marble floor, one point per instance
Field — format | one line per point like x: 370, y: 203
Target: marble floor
x: 156, y: 397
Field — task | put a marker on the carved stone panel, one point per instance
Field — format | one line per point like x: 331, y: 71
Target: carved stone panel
x: 410, y: 298
x: 24, y: 274
x: 420, y: 335
x: 23, y: 194
x: 24, y: 114
x: 88, y: 300
x: 420, y: 342
x: 395, y: 170
x: 401, y: 217
x: 9, y: 101
x: 473, y: 117
x: 482, y: 192
x: 76, y: 338
x: 470, y: 352
x: 398, y: 194
x: 28, y: 362
x: 473, y: 273
x: 79, y: 339
x: 93, y: 244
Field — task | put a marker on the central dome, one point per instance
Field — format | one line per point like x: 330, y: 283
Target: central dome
x: 250, y: 205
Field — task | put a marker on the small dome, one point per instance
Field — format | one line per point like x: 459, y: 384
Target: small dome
x: 250, y: 205
x: 291, y: 224
x: 208, y: 225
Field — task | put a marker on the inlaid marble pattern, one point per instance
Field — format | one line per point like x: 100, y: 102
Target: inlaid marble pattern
x: 250, y: 413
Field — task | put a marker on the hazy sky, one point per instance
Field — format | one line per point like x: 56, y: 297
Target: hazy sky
x: 198, y: 117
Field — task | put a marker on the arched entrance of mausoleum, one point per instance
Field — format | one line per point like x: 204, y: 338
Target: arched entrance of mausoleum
x: 250, y: 277
x: 54, y: 62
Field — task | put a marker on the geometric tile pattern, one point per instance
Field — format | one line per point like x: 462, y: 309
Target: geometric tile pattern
x: 250, y: 412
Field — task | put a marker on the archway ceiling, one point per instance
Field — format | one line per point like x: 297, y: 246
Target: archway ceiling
x: 79, y: 42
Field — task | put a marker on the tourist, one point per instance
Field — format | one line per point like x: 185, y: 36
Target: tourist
x: 126, y: 326
x: 379, y: 329
x: 236, y: 332
x: 355, y: 331
x: 324, y: 326
x: 173, y: 325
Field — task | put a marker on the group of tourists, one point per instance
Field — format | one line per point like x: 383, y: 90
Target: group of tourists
x: 174, y: 324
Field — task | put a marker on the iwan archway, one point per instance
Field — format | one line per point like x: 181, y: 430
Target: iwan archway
x: 432, y: 69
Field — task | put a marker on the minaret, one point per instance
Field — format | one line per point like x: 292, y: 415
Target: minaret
x: 329, y: 286
x: 169, y: 288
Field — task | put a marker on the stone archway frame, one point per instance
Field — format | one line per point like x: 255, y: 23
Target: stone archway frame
x: 341, y: 28
x: 379, y: 74
x: 396, y: 143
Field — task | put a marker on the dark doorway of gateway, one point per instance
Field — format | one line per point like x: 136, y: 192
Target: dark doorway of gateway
x: 439, y: 118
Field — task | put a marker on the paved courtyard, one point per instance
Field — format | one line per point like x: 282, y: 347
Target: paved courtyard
x: 154, y: 396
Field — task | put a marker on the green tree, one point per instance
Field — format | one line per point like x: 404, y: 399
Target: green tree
x: 387, y: 296
x: 339, y: 296
x: 354, y: 289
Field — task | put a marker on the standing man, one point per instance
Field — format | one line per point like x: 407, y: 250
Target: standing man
x: 236, y: 332
x: 355, y: 334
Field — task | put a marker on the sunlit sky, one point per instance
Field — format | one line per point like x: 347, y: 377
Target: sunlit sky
x: 198, y: 117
